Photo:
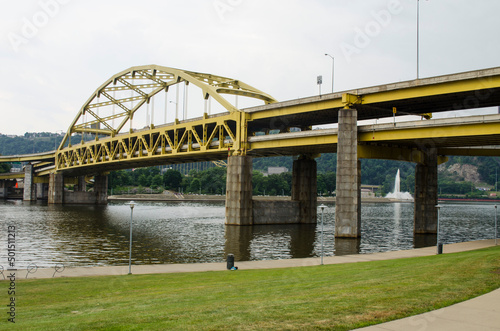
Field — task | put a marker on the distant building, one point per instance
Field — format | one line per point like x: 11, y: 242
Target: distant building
x: 275, y: 170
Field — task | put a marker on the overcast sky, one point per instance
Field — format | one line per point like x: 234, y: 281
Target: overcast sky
x: 55, y: 53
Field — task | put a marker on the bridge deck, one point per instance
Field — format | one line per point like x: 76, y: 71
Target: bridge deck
x: 474, y: 89
x: 214, y: 137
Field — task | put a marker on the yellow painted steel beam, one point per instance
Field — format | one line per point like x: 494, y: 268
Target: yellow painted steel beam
x: 220, y: 164
x: 41, y: 179
x: 48, y: 156
x: 100, y: 107
x: 298, y: 107
x: 12, y: 175
x: 390, y: 153
x: 451, y: 131
x: 70, y: 180
x: 394, y: 153
x: 470, y: 151
x: 412, y: 90
x: 180, y: 140
x: 480, y: 83
x: 294, y: 142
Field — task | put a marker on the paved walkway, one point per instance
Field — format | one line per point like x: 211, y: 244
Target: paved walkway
x: 481, y: 313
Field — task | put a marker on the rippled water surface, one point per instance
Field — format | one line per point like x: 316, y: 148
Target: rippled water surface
x: 182, y: 232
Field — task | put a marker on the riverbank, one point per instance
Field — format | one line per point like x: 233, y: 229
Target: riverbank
x: 254, y: 265
x: 202, y: 197
x: 206, y: 197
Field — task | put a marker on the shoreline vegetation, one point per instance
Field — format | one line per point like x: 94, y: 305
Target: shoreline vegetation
x: 170, y: 196
x: 202, y: 197
x: 334, y: 297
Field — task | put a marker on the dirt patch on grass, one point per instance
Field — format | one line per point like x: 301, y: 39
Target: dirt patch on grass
x: 496, y: 271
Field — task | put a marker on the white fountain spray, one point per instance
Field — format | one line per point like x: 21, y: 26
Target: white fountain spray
x: 397, y: 194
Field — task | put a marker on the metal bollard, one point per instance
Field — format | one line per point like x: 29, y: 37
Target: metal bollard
x: 230, y: 261
x: 440, y: 248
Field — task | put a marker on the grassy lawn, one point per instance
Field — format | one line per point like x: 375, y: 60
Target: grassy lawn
x: 323, y: 297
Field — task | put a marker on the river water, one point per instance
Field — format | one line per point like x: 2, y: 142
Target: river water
x: 189, y: 232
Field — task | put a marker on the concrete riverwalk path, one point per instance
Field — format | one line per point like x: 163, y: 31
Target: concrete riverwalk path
x: 481, y: 313
x: 244, y: 265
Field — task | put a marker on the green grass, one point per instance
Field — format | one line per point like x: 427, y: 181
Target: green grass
x: 323, y: 297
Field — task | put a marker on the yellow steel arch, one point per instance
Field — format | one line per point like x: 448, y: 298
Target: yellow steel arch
x: 130, y: 89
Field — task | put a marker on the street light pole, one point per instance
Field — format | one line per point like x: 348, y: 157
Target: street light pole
x: 439, y: 249
x: 333, y: 67
x: 322, y: 232
x: 418, y: 39
x: 131, y: 204
x: 496, y: 226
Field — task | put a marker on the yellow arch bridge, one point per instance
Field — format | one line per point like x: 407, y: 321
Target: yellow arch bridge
x: 235, y: 122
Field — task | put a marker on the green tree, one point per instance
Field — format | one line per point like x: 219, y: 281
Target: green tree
x: 408, y: 185
x: 388, y: 184
x: 4, y: 167
x: 143, y: 180
x: 257, y: 183
x: 172, y: 179
x: 213, y: 180
x: 194, y: 186
x: 157, y: 181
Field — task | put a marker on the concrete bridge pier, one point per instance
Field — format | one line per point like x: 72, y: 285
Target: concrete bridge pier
x: 82, y: 185
x: 57, y: 194
x: 56, y: 188
x: 426, y: 193
x: 241, y: 209
x: 29, y: 185
x: 100, y: 189
x: 304, y: 188
x: 239, y: 190
x: 42, y: 191
x: 3, y: 189
x: 348, y: 199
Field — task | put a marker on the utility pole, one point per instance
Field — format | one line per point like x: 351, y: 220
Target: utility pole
x: 418, y: 36
x: 319, y: 80
x: 333, y: 67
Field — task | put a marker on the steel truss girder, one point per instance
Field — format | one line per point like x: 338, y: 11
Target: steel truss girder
x: 185, y: 140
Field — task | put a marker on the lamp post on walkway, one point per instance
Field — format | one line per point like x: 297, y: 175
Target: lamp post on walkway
x: 418, y: 42
x: 131, y: 204
x: 333, y: 67
x: 496, y: 226
x: 439, y: 247
x: 322, y: 233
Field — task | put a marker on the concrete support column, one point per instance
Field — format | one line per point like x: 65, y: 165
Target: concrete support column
x: 56, y: 188
x: 42, y: 191
x: 100, y: 189
x: 82, y: 185
x: 29, y: 186
x: 348, y: 202
x: 304, y: 189
x: 426, y: 194
x: 3, y: 188
x: 239, y: 190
